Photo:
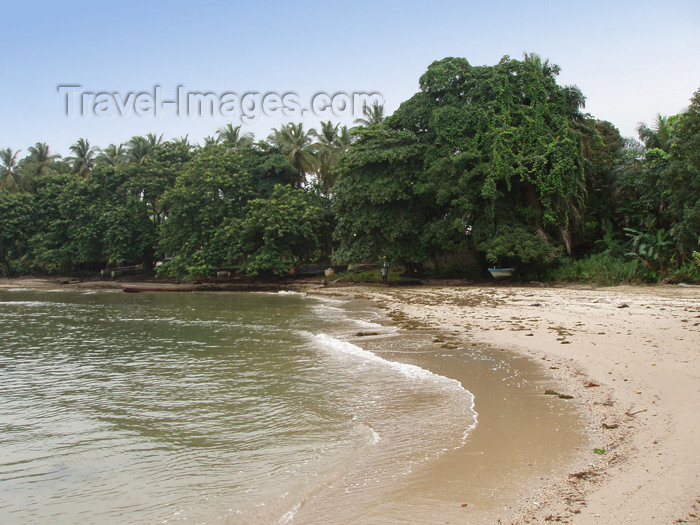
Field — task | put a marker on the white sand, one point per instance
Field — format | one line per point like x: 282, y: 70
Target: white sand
x: 630, y: 356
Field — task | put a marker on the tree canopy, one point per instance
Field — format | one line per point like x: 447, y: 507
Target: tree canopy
x: 496, y: 162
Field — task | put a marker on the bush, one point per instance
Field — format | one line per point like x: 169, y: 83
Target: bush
x: 687, y: 273
x: 190, y: 267
x: 602, y: 268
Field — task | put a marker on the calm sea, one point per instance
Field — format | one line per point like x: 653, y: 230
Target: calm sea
x: 208, y: 408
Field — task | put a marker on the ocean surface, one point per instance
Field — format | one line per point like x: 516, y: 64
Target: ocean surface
x: 211, y: 408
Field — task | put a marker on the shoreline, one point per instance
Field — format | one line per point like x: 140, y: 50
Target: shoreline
x: 478, y: 481
x: 628, y: 356
x: 466, y: 473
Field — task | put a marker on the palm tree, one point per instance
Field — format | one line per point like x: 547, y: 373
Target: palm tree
x: 332, y: 142
x: 210, y: 141
x: 232, y: 137
x: 373, y: 114
x: 10, y: 178
x: 548, y: 70
x: 40, y: 159
x: 112, y: 155
x: 297, y: 145
x: 575, y: 101
x: 154, y: 140
x: 328, y: 135
x: 660, y: 135
x: 184, y: 140
x: 344, y: 139
x: 326, y: 152
x: 83, y: 159
x: 140, y: 148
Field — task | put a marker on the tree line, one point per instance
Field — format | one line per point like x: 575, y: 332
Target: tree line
x: 497, y: 161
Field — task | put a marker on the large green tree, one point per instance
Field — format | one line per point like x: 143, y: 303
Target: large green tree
x: 279, y: 232
x: 128, y: 231
x: 378, y: 211
x: 208, y: 197
x: 605, y: 153
x: 267, y: 167
x: 487, y: 156
x: 679, y: 180
x: 503, y: 159
x: 49, y: 245
x: 70, y: 235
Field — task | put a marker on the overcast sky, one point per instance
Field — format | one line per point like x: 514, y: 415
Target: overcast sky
x: 632, y: 60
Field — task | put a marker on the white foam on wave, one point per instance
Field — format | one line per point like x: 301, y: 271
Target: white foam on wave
x: 367, y: 324
x: 27, y: 303
x: 410, y: 371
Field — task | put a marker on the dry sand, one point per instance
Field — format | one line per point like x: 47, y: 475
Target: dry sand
x: 629, y: 356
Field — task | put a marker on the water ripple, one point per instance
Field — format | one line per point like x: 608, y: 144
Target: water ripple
x: 135, y: 408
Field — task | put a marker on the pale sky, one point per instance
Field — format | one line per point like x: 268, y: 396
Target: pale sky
x: 632, y: 60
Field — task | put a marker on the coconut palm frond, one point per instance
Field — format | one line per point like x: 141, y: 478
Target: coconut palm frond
x: 297, y: 145
x: 231, y: 136
x: 373, y: 114
x: 83, y: 158
x: 10, y: 177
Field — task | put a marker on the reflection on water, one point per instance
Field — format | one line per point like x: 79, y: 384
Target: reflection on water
x: 236, y: 407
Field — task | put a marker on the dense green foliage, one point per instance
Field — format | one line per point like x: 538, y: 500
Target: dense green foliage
x: 280, y: 232
x: 496, y: 165
x: 16, y: 214
x: 207, y: 197
x: 196, y: 208
x: 375, y: 198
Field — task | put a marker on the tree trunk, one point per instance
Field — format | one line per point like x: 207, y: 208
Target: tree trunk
x: 566, y: 240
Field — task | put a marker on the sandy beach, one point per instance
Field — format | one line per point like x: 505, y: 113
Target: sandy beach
x: 626, y: 358
x: 629, y: 357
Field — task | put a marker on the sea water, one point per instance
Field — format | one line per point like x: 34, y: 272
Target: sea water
x: 210, y: 408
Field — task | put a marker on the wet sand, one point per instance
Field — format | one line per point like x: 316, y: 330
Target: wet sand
x: 521, y: 434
